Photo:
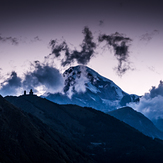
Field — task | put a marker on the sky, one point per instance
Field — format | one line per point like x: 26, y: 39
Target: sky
x: 31, y: 30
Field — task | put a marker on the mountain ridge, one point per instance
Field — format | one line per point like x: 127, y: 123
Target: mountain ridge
x: 102, y: 137
x: 138, y: 121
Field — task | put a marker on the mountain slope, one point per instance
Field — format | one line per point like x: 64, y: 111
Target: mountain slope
x: 158, y: 123
x: 85, y: 87
x: 26, y: 139
x: 138, y: 121
x: 101, y: 136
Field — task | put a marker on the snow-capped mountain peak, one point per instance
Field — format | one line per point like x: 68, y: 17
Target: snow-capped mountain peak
x: 79, y: 79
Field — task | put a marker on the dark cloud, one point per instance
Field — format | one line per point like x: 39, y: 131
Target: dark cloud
x: 58, y: 48
x: 120, y: 46
x: 156, y: 91
x: 11, y: 40
x: 82, y: 57
x: 11, y: 84
x: 45, y: 76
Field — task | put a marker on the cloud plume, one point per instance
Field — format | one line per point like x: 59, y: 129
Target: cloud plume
x: 119, y: 43
x: 151, y: 104
x: 70, y: 56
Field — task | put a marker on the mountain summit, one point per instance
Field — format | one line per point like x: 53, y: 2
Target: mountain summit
x: 85, y: 87
x: 80, y: 79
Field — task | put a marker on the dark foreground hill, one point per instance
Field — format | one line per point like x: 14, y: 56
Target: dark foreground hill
x: 25, y: 139
x: 101, y: 137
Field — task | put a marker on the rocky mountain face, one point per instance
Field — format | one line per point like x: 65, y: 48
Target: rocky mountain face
x: 92, y: 135
x: 85, y: 87
x: 138, y: 121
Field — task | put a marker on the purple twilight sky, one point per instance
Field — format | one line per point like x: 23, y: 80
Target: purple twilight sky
x: 27, y: 27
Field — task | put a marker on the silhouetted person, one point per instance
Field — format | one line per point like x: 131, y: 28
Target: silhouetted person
x: 24, y: 92
x: 31, y: 92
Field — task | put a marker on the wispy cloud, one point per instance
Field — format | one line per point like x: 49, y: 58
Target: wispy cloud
x: 117, y: 41
x: 101, y: 23
x: 12, y: 40
x: 149, y: 36
x: 36, y: 39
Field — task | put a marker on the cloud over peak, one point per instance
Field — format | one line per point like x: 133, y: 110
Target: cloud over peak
x: 70, y: 56
x: 117, y: 41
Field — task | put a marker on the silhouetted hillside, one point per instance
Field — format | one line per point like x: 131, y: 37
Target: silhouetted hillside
x: 24, y: 138
x: 101, y: 136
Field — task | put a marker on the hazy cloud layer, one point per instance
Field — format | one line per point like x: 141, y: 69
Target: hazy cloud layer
x: 151, y: 104
x: 120, y: 45
x: 70, y: 56
x: 10, y: 39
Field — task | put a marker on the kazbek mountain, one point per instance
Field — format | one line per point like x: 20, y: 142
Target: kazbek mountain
x: 85, y: 87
